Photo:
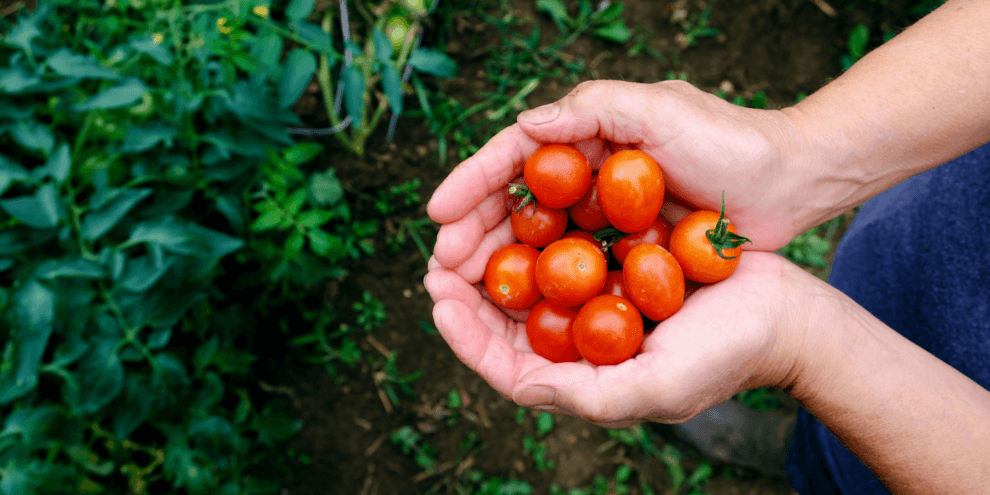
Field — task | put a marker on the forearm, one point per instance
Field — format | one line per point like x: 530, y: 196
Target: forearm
x: 922, y: 426
x: 919, y: 100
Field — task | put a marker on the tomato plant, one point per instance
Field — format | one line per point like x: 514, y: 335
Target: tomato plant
x: 587, y: 212
x: 558, y: 175
x: 608, y: 330
x: 706, y: 245
x: 538, y: 225
x: 510, y: 277
x: 657, y: 233
x: 548, y: 327
x: 630, y: 190
x: 654, y: 281
x: 571, y: 271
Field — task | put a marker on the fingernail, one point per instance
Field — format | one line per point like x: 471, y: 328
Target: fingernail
x: 541, y: 114
x: 537, y: 396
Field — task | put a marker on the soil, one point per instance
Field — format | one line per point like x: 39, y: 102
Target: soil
x: 780, y: 47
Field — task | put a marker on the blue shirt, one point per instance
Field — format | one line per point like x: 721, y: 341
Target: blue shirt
x: 917, y: 257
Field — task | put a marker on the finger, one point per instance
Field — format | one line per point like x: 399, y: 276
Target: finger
x: 473, y: 268
x: 500, y: 160
x: 456, y: 241
x: 616, y: 111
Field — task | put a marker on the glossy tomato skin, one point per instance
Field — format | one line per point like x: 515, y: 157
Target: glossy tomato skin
x: 557, y: 174
x: 571, y: 271
x: 549, y: 328
x: 510, y: 277
x: 689, y: 244
x: 630, y: 190
x: 538, y: 225
x: 582, y: 234
x: 615, y: 284
x: 608, y: 330
x: 657, y: 233
x: 587, y: 213
x: 654, y: 281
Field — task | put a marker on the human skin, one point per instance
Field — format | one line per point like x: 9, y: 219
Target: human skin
x: 914, y: 103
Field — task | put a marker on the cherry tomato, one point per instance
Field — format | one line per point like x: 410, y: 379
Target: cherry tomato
x: 571, y: 271
x: 657, y: 233
x: 548, y: 327
x: 630, y: 190
x: 608, y: 330
x: 510, y: 277
x: 538, y: 225
x: 587, y: 213
x: 615, y: 284
x: 557, y: 174
x: 582, y: 234
x: 697, y: 241
x: 654, y: 281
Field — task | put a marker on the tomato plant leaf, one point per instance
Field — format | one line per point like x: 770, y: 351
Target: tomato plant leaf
x: 267, y: 221
x: 383, y: 47
x: 319, y: 39
x: 433, y: 62
x: 298, y: 10
x: 100, y: 375
x: 32, y: 135
x: 10, y: 173
x: 98, y: 222
x: 297, y: 73
x: 144, y: 272
x: 392, y: 84
x: 143, y: 138
x: 39, y: 211
x: 616, y: 31
x: 326, y: 188
x: 133, y: 406
x: 34, y: 315
x: 72, y: 266
x: 353, y: 81
x: 183, y: 237
x: 57, y: 167
x: 557, y: 12
x: 126, y: 93
x: 158, y: 51
x: 68, y: 64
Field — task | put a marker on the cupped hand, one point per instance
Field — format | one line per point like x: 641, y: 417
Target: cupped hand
x: 743, y: 332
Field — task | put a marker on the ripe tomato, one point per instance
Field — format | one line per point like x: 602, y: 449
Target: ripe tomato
x: 614, y: 284
x: 582, y: 234
x: 608, y: 330
x: 657, y: 233
x: 706, y: 245
x: 570, y: 271
x: 630, y: 190
x: 538, y: 225
x: 654, y: 281
x: 548, y: 327
x: 558, y: 175
x: 587, y: 213
x: 510, y: 277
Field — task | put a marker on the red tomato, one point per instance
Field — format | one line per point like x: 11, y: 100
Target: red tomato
x: 630, y: 190
x: 557, y: 174
x: 657, y: 233
x: 548, y: 327
x: 693, y: 243
x: 582, y: 234
x: 538, y: 225
x: 654, y: 281
x: 571, y: 271
x: 608, y: 330
x: 510, y: 277
x: 587, y: 213
x: 615, y: 284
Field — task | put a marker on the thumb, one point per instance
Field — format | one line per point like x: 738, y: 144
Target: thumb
x: 617, y: 111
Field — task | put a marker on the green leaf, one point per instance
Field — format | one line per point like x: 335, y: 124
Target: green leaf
x: 433, y: 62
x: 858, y: 39
x: 100, y: 374
x: 325, y: 188
x: 30, y: 423
x: 353, y: 81
x: 312, y: 218
x: 317, y: 37
x: 98, y: 222
x: 72, y: 266
x: 299, y: 10
x: 295, y: 202
x: 68, y: 64
x: 183, y: 237
x: 170, y: 371
x: 383, y: 47
x: 392, y: 85
x: 212, y: 392
x: 616, y: 31
x: 301, y: 153
x: 701, y: 474
x: 58, y: 165
x: 143, y: 138
x: 160, y: 52
x: 126, y: 93
x: 15, y: 80
x: 320, y: 241
x: 144, y: 272
x: 556, y: 10
x: 10, y: 173
x: 24, y: 32
x: 297, y: 73
x: 267, y: 221
x: 34, y: 315
x: 33, y: 136
x: 40, y: 211
x: 610, y: 14
x: 544, y: 423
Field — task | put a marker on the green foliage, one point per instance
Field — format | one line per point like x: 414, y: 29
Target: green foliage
x: 157, y: 219
x: 762, y: 399
x: 603, y: 22
x: 859, y: 39
x: 694, y: 26
x: 810, y: 248
x: 539, y: 452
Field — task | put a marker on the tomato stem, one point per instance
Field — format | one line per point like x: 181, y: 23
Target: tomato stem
x: 523, y: 192
x: 609, y: 236
x: 721, y: 238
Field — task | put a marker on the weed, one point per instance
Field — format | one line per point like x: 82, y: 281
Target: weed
x: 694, y: 26
x: 856, y: 45
x: 539, y: 452
x: 641, y: 37
x: 603, y: 22
x: 391, y: 381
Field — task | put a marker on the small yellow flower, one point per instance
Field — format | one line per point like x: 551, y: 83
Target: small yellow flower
x: 157, y: 38
x: 222, y: 25
x: 261, y: 11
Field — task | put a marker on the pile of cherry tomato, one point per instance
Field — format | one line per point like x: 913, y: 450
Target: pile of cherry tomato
x: 578, y: 306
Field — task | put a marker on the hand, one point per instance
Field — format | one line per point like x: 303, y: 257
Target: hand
x: 741, y: 333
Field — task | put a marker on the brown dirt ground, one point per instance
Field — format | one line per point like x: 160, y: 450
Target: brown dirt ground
x: 781, y: 47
